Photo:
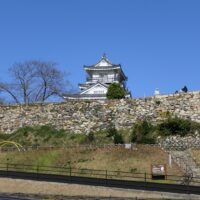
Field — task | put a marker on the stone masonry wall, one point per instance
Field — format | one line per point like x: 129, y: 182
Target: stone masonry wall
x: 180, y: 143
x: 86, y: 116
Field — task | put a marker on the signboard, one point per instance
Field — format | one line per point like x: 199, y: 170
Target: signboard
x: 128, y: 146
x: 158, y: 171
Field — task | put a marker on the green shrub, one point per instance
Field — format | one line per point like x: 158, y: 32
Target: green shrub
x: 115, y: 91
x: 143, y: 132
x: 48, y: 130
x: 112, y: 131
x: 148, y: 139
x: 91, y: 137
x: 4, y: 136
x: 175, y: 126
x: 38, y: 135
x: 118, y: 139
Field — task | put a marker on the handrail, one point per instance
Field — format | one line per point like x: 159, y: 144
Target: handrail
x: 102, y: 79
x: 106, y: 174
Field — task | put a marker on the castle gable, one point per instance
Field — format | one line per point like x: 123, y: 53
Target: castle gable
x: 98, y: 88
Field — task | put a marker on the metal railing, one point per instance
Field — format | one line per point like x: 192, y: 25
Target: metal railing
x: 102, y: 80
x: 119, y: 179
x: 94, y: 173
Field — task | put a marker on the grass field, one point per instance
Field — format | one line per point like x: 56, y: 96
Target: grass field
x: 47, y: 136
x: 138, y: 160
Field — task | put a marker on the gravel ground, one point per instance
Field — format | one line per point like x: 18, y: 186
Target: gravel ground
x: 17, y: 188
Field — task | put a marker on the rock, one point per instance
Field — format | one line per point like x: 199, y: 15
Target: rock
x: 82, y: 116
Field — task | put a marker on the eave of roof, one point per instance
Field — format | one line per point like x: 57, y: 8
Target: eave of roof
x: 110, y: 66
x: 97, y: 83
x: 77, y: 96
x: 102, y: 67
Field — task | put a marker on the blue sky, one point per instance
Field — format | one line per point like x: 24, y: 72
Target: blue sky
x: 156, y: 41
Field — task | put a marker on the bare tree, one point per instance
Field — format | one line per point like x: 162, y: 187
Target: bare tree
x: 24, y: 79
x: 9, y: 89
x: 50, y: 81
x: 2, y: 102
x: 34, y: 81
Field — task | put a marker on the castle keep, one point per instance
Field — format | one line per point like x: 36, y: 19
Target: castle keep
x: 99, y: 77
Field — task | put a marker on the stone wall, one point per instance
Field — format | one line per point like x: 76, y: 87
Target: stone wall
x: 180, y: 143
x: 86, y: 116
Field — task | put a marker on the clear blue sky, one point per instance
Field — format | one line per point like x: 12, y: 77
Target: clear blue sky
x: 156, y: 41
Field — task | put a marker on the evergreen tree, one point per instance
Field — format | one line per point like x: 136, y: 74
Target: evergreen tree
x: 115, y: 91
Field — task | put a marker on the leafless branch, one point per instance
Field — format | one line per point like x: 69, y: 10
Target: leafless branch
x: 34, y: 81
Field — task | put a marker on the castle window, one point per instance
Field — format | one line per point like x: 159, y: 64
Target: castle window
x: 99, y: 92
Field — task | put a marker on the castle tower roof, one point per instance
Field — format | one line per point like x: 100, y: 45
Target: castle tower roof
x: 102, y: 63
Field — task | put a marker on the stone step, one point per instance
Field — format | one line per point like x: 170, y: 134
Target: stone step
x: 186, y: 158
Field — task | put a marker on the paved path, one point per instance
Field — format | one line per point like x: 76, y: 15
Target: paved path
x: 10, y: 197
x: 60, y: 190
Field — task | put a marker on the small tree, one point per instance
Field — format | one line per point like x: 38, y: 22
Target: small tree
x: 115, y: 91
x: 143, y: 132
x: 117, y: 137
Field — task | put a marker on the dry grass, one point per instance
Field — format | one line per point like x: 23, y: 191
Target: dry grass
x: 196, y: 155
x: 138, y: 161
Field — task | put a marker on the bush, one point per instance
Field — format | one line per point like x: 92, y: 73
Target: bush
x: 143, y: 132
x: 4, y: 136
x: 91, y: 137
x: 115, y: 91
x: 112, y: 131
x: 176, y: 126
x: 118, y: 139
x: 38, y: 135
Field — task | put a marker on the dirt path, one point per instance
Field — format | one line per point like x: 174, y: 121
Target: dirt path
x: 13, y: 186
